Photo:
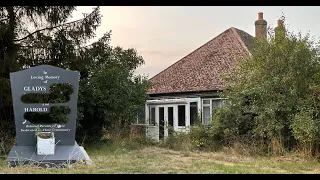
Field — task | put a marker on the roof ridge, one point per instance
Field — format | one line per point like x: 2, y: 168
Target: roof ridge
x: 240, y: 39
x: 194, y: 51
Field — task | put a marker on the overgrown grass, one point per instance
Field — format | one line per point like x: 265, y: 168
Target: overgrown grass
x: 136, y: 156
x: 6, y: 140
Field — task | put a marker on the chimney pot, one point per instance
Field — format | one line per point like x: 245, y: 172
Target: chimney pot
x: 279, y: 22
x: 260, y: 16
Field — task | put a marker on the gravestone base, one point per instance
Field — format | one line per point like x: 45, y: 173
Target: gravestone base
x: 63, y: 155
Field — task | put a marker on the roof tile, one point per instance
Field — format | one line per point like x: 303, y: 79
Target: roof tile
x: 200, y: 70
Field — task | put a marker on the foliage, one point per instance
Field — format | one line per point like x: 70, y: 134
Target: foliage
x: 127, y: 157
x: 114, y: 94
x: 36, y: 35
x: 304, y: 128
x: 199, y: 136
x: 6, y: 140
x: 178, y: 141
x: 273, y: 94
x: 44, y: 135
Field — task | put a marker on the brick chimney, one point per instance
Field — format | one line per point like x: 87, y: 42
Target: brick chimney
x: 261, y: 27
x: 280, y: 26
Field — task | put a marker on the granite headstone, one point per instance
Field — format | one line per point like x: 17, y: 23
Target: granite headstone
x: 38, y: 80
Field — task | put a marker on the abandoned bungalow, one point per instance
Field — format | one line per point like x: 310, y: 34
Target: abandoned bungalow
x: 189, y: 89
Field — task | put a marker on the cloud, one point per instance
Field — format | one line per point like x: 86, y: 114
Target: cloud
x: 165, y: 53
x: 149, y: 71
x: 156, y: 60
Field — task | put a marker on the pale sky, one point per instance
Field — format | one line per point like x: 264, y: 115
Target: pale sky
x: 163, y: 35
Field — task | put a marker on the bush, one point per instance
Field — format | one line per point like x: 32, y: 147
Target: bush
x: 178, y: 141
x: 7, y: 134
x: 303, y: 128
x: 198, y: 138
x: 273, y: 95
x: 203, y: 138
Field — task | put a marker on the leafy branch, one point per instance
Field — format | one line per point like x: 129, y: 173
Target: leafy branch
x: 54, y: 27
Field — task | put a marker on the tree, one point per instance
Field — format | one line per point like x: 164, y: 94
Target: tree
x: 113, y: 94
x: 273, y: 94
x: 35, y: 35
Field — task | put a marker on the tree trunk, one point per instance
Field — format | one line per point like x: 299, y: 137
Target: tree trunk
x: 11, y: 58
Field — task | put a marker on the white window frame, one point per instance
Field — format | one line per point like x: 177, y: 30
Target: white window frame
x: 210, y: 105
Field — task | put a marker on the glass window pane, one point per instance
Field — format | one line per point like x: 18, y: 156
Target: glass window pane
x: 193, y: 112
x: 181, y: 115
x: 206, y: 101
x: 170, y: 116
x: 152, y: 115
x: 216, y: 104
x: 223, y: 103
x: 194, y: 104
x: 161, y: 122
x: 141, y: 115
x: 206, y: 115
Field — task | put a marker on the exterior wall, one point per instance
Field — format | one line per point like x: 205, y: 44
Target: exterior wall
x: 173, y: 101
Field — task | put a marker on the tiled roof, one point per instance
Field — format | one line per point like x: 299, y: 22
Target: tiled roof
x: 199, y: 71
